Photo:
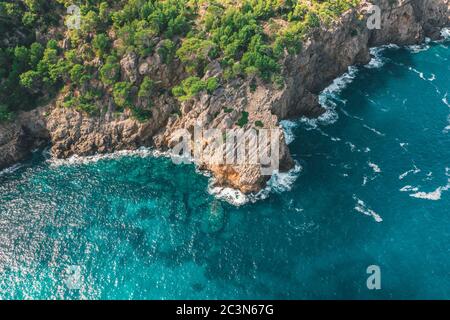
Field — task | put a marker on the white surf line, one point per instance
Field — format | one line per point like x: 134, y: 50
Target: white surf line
x: 328, y: 94
x: 278, y: 183
x: 416, y: 48
x: 378, y: 60
x: 288, y: 127
x: 77, y: 160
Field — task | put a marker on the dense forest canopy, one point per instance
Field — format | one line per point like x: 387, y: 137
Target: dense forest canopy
x: 40, y: 57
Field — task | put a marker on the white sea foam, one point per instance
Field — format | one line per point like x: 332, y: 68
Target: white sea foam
x: 278, y: 183
x: 364, y: 209
x: 415, y: 170
x: 436, y: 194
x: 374, y: 167
x: 77, y: 160
x: 365, y: 180
x: 445, y: 33
x: 329, y: 93
x: 288, y: 127
x: 11, y: 169
x: 422, y: 75
x: 340, y: 83
x: 409, y: 188
x: 232, y: 196
x: 351, y: 145
x: 284, y: 181
x: 374, y: 130
x: 350, y: 116
x: 418, y: 47
x: 446, y: 129
x: 377, y: 60
x: 447, y: 103
x: 403, y: 145
x: 445, y: 100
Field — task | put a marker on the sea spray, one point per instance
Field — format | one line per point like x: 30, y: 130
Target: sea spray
x: 279, y: 182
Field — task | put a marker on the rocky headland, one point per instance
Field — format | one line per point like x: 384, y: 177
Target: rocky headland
x: 325, y: 55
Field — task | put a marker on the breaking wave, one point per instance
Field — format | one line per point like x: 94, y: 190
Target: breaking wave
x: 81, y: 160
x: 278, y: 183
x: 288, y: 127
x: 445, y: 33
x: 11, y: 169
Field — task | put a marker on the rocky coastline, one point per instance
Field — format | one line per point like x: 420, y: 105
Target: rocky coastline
x: 326, y: 55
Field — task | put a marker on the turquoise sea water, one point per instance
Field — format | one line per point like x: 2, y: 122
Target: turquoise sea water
x: 374, y: 189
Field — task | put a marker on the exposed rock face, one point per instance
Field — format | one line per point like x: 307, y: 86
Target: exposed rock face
x: 324, y: 56
x: 19, y: 138
x: 75, y: 133
x: 128, y: 65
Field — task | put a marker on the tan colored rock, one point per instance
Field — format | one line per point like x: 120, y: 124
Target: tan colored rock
x: 324, y: 56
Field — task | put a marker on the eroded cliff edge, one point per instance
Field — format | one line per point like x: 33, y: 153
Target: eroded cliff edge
x: 324, y: 56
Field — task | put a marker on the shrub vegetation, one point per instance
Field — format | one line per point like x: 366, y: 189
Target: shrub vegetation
x: 248, y: 38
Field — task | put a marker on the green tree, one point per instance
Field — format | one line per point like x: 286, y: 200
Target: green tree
x: 79, y: 74
x: 100, y: 43
x: 36, y: 53
x: 110, y: 72
x: 122, y: 94
x: 5, y: 114
x: 31, y: 80
x: 194, y: 52
x: 167, y: 51
x: 147, y: 88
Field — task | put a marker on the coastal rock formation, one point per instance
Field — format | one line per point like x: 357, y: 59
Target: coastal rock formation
x: 19, y: 138
x: 324, y: 56
x: 75, y: 133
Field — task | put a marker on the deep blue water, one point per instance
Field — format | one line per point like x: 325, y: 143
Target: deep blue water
x: 373, y: 190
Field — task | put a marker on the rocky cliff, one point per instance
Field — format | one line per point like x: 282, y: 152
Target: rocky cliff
x: 325, y: 55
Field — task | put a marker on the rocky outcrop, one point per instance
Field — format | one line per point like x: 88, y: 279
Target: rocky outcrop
x: 19, y: 138
x: 325, y: 55
x: 75, y: 133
